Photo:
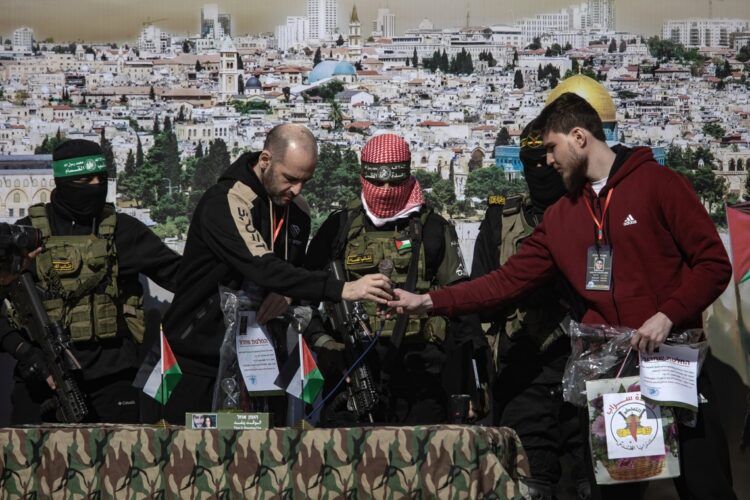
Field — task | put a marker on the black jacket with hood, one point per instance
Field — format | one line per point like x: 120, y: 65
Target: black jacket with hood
x: 230, y: 240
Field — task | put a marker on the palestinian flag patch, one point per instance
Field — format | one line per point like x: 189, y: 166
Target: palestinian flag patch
x: 403, y: 246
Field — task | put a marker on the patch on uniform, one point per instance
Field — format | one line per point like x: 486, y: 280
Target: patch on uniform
x: 403, y: 246
x: 496, y: 199
x: 62, y: 265
x: 353, y: 260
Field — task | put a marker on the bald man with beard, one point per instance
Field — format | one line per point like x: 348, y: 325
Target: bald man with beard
x: 249, y: 231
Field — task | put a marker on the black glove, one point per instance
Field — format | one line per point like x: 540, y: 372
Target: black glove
x: 30, y: 363
x: 331, y: 358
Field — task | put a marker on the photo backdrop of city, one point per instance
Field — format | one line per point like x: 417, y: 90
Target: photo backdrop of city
x: 188, y: 87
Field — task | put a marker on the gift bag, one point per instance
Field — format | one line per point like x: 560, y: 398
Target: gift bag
x: 630, y: 439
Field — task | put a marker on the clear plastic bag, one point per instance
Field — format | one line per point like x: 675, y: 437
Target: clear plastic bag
x: 230, y: 392
x: 229, y: 384
x: 600, y: 351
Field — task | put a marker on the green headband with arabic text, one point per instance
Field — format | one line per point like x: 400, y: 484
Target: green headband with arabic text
x: 82, y: 165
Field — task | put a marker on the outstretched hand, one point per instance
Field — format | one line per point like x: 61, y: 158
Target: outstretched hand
x: 408, y: 303
x: 374, y: 287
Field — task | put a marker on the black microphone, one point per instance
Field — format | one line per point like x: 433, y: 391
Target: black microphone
x: 385, y: 267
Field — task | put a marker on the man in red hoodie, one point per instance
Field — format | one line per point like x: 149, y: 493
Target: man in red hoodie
x: 663, y: 262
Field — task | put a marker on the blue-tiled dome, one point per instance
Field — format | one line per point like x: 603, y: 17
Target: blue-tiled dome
x: 253, y: 83
x: 328, y: 68
x: 344, y: 68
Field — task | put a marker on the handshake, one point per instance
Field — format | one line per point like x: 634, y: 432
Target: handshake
x: 377, y: 288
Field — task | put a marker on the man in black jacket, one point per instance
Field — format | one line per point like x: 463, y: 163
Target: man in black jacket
x: 90, y: 272
x: 249, y: 230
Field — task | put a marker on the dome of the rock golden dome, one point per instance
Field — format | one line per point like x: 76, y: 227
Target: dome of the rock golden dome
x: 591, y: 90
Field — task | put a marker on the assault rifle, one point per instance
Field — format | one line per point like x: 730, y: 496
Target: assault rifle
x: 352, y: 322
x: 54, y: 342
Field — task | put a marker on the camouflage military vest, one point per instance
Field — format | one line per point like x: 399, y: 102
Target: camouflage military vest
x: 80, y: 274
x: 363, y: 251
x: 541, y: 321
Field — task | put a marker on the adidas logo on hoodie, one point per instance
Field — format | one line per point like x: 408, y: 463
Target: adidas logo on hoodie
x: 629, y: 220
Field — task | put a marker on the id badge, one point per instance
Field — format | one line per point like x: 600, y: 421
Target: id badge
x: 599, y: 268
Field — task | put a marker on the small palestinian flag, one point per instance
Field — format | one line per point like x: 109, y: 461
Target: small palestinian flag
x: 300, y: 376
x: 738, y: 219
x: 403, y: 245
x: 159, y: 374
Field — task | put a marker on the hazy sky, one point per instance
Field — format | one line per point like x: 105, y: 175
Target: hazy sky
x: 120, y: 20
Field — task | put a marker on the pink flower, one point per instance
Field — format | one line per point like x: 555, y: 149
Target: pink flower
x: 598, y: 403
x: 598, y: 428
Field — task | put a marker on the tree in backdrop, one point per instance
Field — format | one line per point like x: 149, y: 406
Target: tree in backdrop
x: 518, y: 80
x: 336, y: 115
x: 667, y: 50
x: 173, y: 227
x: 484, y: 182
x: 139, y: 158
x: 247, y: 107
x: 414, y: 58
x: 340, y: 41
x: 127, y: 175
x: 623, y: 45
x: 444, y: 62
x: 612, y: 46
x: 488, y: 58
x: 185, y: 47
x: 743, y: 55
x: 109, y: 156
x: 426, y: 178
x: 49, y: 144
x: 335, y: 183
x: 502, y: 139
x: 714, y: 130
x: 698, y: 167
x: 328, y: 91
x: 317, y: 57
x: 156, y: 175
x: 151, y: 93
x: 441, y: 196
x: 207, y: 171
x: 198, y: 66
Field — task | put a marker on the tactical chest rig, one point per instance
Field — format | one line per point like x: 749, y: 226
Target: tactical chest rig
x: 80, y: 275
x: 363, y: 249
x: 540, y: 315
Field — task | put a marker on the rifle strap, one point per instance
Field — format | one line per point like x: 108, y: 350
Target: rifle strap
x: 415, y: 234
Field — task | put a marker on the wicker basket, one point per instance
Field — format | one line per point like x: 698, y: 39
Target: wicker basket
x: 634, y: 469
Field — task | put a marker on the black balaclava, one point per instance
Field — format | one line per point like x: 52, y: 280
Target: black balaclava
x: 545, y: 184
x: 80, y: 203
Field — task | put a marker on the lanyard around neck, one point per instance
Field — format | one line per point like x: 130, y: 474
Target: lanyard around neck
x: 599, y: 222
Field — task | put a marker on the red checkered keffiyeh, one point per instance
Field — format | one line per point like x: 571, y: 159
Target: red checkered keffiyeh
x: 385, y: 204
x: 386, y: 148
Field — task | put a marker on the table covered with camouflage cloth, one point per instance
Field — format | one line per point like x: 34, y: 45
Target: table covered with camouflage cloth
x: 379, y: 462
